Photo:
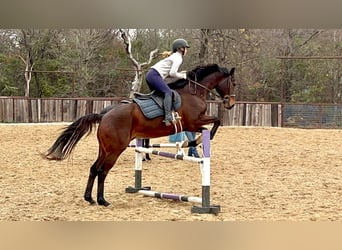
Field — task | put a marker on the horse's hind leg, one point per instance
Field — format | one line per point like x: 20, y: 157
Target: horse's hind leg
x: 100, y: 189
x: 92, y: 175
x: 102, y: 174
x: 100, y: 170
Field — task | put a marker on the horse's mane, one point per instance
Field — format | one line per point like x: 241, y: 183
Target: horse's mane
x: 198, y: 74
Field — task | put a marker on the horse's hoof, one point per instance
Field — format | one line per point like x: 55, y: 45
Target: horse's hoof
x: 90, y: 200
x: 146, y: 159
x: 103, y: 203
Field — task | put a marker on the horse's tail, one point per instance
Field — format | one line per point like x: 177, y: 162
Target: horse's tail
x: 68, y: 139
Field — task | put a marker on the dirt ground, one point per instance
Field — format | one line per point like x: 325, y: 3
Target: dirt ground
x: 257, y: 173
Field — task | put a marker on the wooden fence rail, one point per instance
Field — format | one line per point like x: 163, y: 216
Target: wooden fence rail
x: 20, y: 109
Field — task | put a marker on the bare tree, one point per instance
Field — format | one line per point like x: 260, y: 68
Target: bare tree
x: 136, y: 84
x: 26, y: 42
x: 28, y: 73
x: 204, y: 40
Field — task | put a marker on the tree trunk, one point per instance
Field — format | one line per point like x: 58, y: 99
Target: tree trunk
x: 203, y: 54
x: 28, y: 74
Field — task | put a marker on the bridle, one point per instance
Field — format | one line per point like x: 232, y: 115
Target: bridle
x: 211, y: 91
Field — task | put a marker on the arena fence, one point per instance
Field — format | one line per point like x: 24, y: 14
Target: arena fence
x: 20, y: 109
x: 37, y: 110
x: 313, y: 115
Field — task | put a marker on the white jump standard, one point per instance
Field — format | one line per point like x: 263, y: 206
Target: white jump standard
x: 204, y: 163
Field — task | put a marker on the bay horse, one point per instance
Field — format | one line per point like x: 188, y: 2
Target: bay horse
x: 125, y: 122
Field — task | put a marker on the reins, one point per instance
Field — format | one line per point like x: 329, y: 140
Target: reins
x: 204, y: 87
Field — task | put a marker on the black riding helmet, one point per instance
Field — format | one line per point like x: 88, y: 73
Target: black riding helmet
x: 179, y: 43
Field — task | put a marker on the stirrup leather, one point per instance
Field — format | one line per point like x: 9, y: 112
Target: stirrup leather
x: 175, y: 118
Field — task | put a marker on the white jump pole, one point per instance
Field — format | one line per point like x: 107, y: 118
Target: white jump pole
x: 204, y: 163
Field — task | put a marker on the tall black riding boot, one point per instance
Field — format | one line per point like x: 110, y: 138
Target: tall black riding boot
x: 167, y: 109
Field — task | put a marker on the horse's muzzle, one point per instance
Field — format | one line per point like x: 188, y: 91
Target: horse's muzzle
x: 229, y: 101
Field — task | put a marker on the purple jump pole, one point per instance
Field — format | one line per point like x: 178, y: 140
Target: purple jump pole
x: 159, y: 145
x: 167, y: 154
x: 177, y: 197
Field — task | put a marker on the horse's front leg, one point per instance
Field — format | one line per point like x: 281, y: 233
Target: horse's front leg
x: 198, y: 140
x: 191, y: 141
x: 210, y: 119
x: 213, y: 130
x: 146, y: 144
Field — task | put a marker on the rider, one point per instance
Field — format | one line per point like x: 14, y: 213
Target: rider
x: 168, y: 67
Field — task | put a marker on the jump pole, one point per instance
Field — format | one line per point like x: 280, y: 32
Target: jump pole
x: 204, y: 163
x: 177, y: 197
x: 176, y: 145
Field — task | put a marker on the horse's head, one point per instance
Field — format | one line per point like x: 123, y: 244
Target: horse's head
x: 204, y: 79
x: 226, y: 86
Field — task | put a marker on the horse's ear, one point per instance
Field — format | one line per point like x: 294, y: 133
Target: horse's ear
x: 232, y: 71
